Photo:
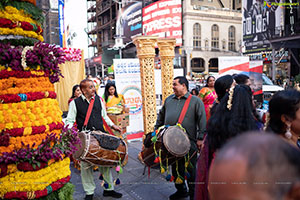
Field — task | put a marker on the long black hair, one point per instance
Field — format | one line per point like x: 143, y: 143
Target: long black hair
x: 222, y: 85
x: 226, y: 123
x: 73, y: 90
x: 287, y: 103
x: 106, y: 92
x: 208, y: 80
x: 241, y: 78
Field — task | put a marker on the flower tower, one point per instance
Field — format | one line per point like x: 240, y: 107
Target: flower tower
x: 34, y: 145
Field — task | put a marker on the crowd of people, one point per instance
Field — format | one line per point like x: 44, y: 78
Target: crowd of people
x: 238, y: 155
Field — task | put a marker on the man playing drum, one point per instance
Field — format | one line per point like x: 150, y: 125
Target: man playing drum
x: 77, y: 112
x: 194, y: 123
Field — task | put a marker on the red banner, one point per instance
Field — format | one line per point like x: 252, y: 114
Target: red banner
x: 163, y: 19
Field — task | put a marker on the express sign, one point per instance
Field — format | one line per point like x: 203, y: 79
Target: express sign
x: 163, y: 19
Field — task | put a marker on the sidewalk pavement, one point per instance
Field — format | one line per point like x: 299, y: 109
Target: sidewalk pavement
x: 134, y: 185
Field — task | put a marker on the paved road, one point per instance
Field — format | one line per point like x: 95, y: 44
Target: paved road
x: 134, y: 185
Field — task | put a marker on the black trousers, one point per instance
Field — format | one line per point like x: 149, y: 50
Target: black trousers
x: 192, y: 171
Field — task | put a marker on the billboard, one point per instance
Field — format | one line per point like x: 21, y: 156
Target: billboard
x: 233, y: 65
x: 75, y: 22
x: 260, y: 20
x: 129, y: 21
x: 164, y: 19
x: 255, y: 75
x: 54, y: 4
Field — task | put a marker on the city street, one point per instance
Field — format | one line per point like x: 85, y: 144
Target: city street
x: 134, y: 185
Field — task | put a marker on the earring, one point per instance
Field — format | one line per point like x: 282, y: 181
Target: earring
x: 288, y: 133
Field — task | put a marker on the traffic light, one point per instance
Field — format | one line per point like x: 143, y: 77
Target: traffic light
x: 191, y: 56
x: 180, y: 51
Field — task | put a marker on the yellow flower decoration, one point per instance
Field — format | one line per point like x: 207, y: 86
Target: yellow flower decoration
x: 34, y: 181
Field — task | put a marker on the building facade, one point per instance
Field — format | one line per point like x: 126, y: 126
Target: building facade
x: 50, y: 26
x: 271, y: 33
x: 210, y: 29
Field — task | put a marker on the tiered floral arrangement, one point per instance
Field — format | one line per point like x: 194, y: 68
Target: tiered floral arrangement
x: 34, y: 145
x: 20, y: 22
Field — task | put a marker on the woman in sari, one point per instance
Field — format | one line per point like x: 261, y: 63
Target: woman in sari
x: 208, y: 95
x: 76, y: 92
x: 112, y: 98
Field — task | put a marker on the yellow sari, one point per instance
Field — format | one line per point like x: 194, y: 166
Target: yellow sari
x: 115, y: 101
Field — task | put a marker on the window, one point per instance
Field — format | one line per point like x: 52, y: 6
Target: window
x: 215, y: 37
x: 223, y: 45
x: 231, y: 38
x: 197, y: 36
x: 206, y: 44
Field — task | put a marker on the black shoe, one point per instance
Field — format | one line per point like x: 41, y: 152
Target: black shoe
x: 112, y: 193
x: 89, y: 197
x: 178, y: 195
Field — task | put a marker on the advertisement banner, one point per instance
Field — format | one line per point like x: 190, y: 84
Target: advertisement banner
x: 233, y: 65
x: 163, y: 19
x: 255, y: 74
x: 61, y: 22
x: 129, y: 21
x: 262, y: 20
x: 53, y: 4
x: 75, y: 14
x: 131, y: 89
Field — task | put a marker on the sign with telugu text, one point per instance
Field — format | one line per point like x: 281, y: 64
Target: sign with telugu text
x: 128, y: 83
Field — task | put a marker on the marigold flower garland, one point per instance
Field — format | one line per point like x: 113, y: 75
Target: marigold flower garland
x: 31, y: 96
x: 6, y: 73
x: 31, y: 130
x: 27, y: 7
x: 57, y: 186
x: 26, y: 26
x: 20, y: 31
x: 15, y: 15
x: 27, y: 114
x: 16, y: 143
x: 34, y: 181
x: 14, y: 85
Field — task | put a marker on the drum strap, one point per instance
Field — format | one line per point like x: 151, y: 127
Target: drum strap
x: 107, y: 127
x: 88, y: 114
x: 89, y: 111
x: 184, y: 109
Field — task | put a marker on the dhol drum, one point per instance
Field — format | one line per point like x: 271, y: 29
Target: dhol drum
x: 173, y: 143
x: 98, y: 148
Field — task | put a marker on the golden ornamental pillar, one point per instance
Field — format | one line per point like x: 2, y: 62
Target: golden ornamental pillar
x: 145, y: 46
x: 167, y: 54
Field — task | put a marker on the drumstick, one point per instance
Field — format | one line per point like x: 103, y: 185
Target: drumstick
x: 195, y: 152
